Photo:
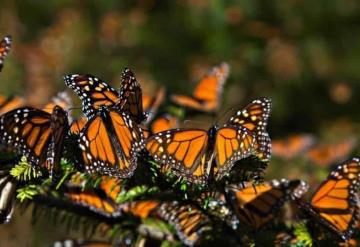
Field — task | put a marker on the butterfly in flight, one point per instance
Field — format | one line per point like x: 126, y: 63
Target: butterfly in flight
x: 207, y: 94
x: 191, y: 152
x: 292, y: 146
x: 5, y: 45
x: 327, y: 154
x: 335, y: 202
x: 109, y: 143
x: 256, y: 205
x: 94, y: 93
x: 36, y: 134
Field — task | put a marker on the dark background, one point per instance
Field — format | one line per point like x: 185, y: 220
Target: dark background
x: 304, y: 55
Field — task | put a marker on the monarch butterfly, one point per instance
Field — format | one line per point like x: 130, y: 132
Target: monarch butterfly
x: 292, y: 145
x: 109, y: 143
x: 334, y: 204
x: 95, y: 93
x: 7, y: 196
x: 190, y: 152
x: 326, y: 154
x: 257, y: 205
x: 5, y: 46
x: 10, y: 103
x: 152, y: 104
x: 36, y: 134
x: 190, y: 222
x: 207, y: 94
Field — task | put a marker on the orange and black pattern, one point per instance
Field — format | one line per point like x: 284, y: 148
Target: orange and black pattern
x: 292, y: 146
x: 93, y: 92
x: 36, y: 134
x: 5, y: 46
x: 255, y: 117
x: 207, y: 95
x: 109, y: 143
x: 334, y: 204
x: 152, y: 104
x: 10, y: 103
x: 131, y: 97
x: 256, y: 205
x: 190, y: 222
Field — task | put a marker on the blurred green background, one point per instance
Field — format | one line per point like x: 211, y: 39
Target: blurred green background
x: 304, y: 55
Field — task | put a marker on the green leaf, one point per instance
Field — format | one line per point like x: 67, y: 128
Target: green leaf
x: 24, y: 171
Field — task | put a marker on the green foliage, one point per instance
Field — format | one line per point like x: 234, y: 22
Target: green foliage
x: 302, y: 234
x: 24, y: 171
x: 27, y: 192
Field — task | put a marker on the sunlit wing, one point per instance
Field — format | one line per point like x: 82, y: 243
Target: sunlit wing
x: 77, y: 125
x: 207, y: 94
x: 334, y: 203
x: 232, y: 144
x: 92, y: 91
x: 184, y: 150
x: 257, y: 205
x: 141, y: 209
x: 5, y: 45
x: 255, y: 117
x: 109, y: 144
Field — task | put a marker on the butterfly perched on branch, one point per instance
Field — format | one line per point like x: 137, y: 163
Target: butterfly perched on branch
x: 191, y: 152
x: 335, y: 202
x: 36, y: 134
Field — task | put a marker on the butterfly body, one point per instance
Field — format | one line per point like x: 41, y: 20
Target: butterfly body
x: 109, y: 143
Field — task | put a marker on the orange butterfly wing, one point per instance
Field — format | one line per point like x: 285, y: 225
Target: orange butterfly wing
x: 36, y: 134
x: 207, y: 94
x: 10, y: 103
x: 164, y: 122
x: 231, y: 145
x: 189, y: 221
x: 62, y: 99
x: 93, y: 92
x: 335, y: 202
x: 109, y: 144
x: 131, y: 96
x: 184, y: 150
x: 257, y: 205
x: 77, y: 125
x: 254, y: 117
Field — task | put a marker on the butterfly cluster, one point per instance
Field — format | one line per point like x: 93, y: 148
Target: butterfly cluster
x: 125, y: 159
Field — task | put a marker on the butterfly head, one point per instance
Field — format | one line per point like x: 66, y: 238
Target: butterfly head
x: 58, y: 113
